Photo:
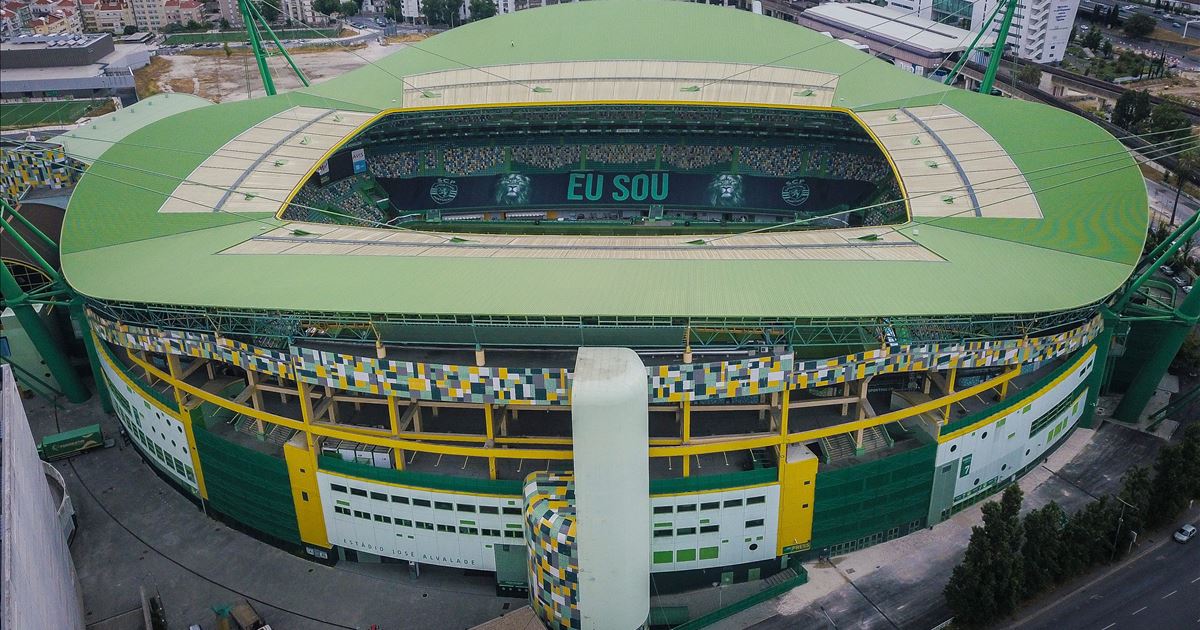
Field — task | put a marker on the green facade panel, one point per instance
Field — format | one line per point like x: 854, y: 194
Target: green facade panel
x: 250, y: 487
x: 862, y: 505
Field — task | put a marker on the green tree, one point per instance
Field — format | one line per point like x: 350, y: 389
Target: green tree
x: 1106, y: 48
x: 441, y: 11
x: 1029, y: 75
x: 224, y: 24
x: 349, y: 8
x: 1185, y: 166
x: 987, y: 584
x: 326, y: 7
x: 1135, y: 492
x: 1093, y: 40
x: 1131, y: 110
x: 130, y: 29
x: 1042, y: 552
x: 1139, y: 25
x: 1188, y: 358
x: 1071, y: 37
x: 1088, y: 537
x: 482, y: 9
x: 1175, y: 478
x: 1168, y: 122
x: 268, y: 9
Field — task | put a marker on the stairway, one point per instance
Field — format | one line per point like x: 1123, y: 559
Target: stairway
x: 780, y: 578
x: 838, y: 447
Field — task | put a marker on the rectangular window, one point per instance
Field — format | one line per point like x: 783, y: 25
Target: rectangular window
x: 491, y: 532
x: 685, y: 531
x: 755, y: 500
x: 421, y: 502
x: 403, y: 522
x: 685, y: 555
x: 379, y: 496
x: 341, y: 510
x: 337, y: 488
x: 710, y: 505
x: 399, y: 499
x: 663, y: 509
x: 513, y: 534
x: 443, y: 505
x: 754, y: 523
x: 708, y: 529
x: 465, y: 507
x: 471, y: 531
x: 379, y: 518
x: 663, y: 557
x: 708, y: 553
x: 423, y: 525
x: 362, y: 515
x: 662, y: 533
x: 733, y: 503
x: 489, y: 509
x: 512, y: 510
x: 686, y: 508
x: 358, y: 492
x: 445, y: 528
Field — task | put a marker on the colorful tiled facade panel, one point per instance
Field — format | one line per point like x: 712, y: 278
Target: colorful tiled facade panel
x: 551, y: 386
x: 34, y: 166
x: 553, y: 555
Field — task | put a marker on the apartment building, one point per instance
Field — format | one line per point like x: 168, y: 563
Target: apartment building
x: 1040, y: 28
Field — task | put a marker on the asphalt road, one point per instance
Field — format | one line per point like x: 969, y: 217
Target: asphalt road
x: 1159, y: 590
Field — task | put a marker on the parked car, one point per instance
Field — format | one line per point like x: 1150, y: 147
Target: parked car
x: 1167, y: 270
x: 1185, y: 533
x: 1179, y: 281
x: 1187, y: 289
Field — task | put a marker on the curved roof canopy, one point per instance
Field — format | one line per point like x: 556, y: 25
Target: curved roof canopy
x: 1061, y: 231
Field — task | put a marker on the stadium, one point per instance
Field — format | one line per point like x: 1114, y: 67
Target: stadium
x: 395, y: 317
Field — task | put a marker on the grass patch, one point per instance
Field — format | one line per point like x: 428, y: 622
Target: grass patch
x: 21, y: 115
x: 145, y: 79
x: 406, y: 38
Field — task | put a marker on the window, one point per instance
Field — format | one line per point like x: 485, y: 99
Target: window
x: 445, y: 528
x: 468, y: 530
x: 708, y: 529
x: 513, y: 534
x: 711, y: 505
x: 421, y: 502
x: 403, y: 522
x: 379, y: 518
x: 465, y: 507
x: 362, y: 515
x: 341, y: 510
x: 755, y: 500
x: 443, y: 505
x: 663, y: 509
x: 491, y: 532
x: 685, y: 555
x: 358, y: 492
x: 512, y: 510
x: 754, y: 522
x: 337, y: 488
x: 663, y: 557
x: 423, y: 525
x: 686, y: 508
x: 489, y: 509
x: 399, y: 499
x: 662, y: 533
x: 685, y: 531
x: 708, y: 553
x: 379, y: 496
x: 733, y: 503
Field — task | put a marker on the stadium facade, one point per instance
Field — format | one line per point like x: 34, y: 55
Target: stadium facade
x: 355, y: 318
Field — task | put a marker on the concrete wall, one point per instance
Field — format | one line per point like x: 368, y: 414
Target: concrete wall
x: 40, y: 588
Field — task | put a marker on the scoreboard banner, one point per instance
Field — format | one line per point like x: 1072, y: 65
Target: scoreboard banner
x: 720, y: 192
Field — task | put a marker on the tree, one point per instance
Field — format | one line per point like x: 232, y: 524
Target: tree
x: 1175, y: 481
x: 1088, y: 536
x: 482, y: 9
x: 441, y: 11
x: 130, y: 30
x: 987, y: 584
x: 1029, y: 75
x: 224, y: 24
x: 268, y: 9
x: 1185, y: 165
x: 1042, y: 552
x: 1092, y: 40
x: 1139, y: 25
x: 1071, y: 37
x: 1114, y: 17
x: 326, y: 7
x: 1106, y: 48
x: 1131, y: 110
x: 1169, y: 122
x: 349, y: 8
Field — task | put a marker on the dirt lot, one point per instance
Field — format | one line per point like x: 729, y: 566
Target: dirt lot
x: 218, y: 77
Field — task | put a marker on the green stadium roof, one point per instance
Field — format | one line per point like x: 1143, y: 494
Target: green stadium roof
x: 117, y: 246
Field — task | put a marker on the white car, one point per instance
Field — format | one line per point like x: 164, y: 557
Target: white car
x: 1167, y: 270
x: 1185, y: 533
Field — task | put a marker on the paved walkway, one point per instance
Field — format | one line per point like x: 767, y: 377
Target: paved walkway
x: 898, y: 584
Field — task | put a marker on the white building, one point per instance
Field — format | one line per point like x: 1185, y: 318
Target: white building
x: 1039, y: 32
x: 150, y: 15
x: 411, y: 9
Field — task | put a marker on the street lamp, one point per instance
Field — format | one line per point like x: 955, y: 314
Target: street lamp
x: 1185, y: 25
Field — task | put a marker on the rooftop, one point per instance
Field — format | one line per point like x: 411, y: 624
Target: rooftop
x: 1070, y: 248
x: 896, y: 26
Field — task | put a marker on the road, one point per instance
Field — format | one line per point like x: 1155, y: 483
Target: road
x: 1160, y: 590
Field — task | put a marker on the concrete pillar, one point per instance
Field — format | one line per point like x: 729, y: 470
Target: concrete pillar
x: 611, y: 426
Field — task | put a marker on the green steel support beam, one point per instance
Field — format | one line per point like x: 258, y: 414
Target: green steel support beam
x: 989, y: 77
x: 9, y: 210
x: 966, y: 54
x: 56, y: 360
x: 1146, y: 381
x: 85, y: 330
x: 260, y: 54
x: 1165, y: 250
x: 278, y: 44
x: 1102, y: 366
x: 31, y: 252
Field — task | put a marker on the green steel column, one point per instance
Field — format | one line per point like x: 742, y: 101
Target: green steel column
x: 260, y: 54
x: 1100, y: 365
x: 989, y: 77
x: 1146, y: 381
x: 85, y: 331
x: 52, y: 354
